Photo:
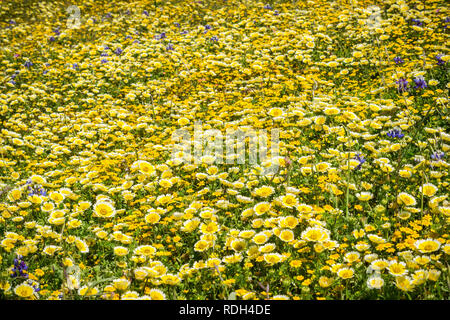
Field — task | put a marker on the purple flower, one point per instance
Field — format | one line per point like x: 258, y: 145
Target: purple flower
x: 417, y: 22
x: 438, y: 155
x: 184, y: 32
x: 146, y: 13
x: 395, y: 133
x: 398, y: 60
x: 19, y: 267
x: 361, y: 160
x: 214, y: 38
x: 160, y: 36
x: 57, y: 32
x: 440, y: 62
x: 104, y: 61
x: 75, y: 65
x: 28, y: 64
x: 128, y: 37
x: 420, y: 83
x: 268, y: 6
x: 176, y: 24
x: 51, y: 39
x: 104, y: 54
x: 402, y: 85
x: 118, y: 51
x: 169, y: 47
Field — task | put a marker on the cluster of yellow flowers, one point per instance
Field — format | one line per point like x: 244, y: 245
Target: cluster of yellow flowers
x: 94, y: 205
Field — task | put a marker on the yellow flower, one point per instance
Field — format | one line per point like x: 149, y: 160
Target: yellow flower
x: 325, y: 282
x: 120, y: 251
x: 406, y: 199
x: 121, y: 284
x: 346, y: 273
x: 152, y: 218
x: 146, y: 168
x: 24, y: 290
x: 201, y: 245
x: 375, y: 282
x: 209, y: 228
x: 397, y: 268
x: 261, y: 208
x: 156, y: 294
x: 427, y: 245
x: 104, y: 210
x: 315, y: 234
x: 289, y: 200
x: 286, y: 235
x: 428, y: 189
x: 264, y: 191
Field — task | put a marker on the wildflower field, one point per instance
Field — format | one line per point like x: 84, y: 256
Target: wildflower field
x: 97, y: 200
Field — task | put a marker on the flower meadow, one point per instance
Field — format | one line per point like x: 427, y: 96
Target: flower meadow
x: 95, y: 204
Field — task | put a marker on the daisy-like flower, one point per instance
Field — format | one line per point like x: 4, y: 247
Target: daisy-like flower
x: 156, y: 294
x: 120, y: 251
x: 364, y: 196
x: 351, y: 257
x: 428, y: 189
x: 201, y: 245
x: 261, y: 208
x: 346, y: 273
x: 404, y: 283
x: 264, y: 191
x: 260, y: 238
x: 145, y: 250
x: 209, y: 228
x: 24, y: 290
x: 286, y: 235
x: 146, y: 168
x: 397, y: 268
x: 375, y: 282
x: 81, y: 245
x: 427, y: 245
x: 272, y: 258
x: 289, y: 200
x: 315, y: 234
x: 104, y: 209
x: 121, y: 284
x: 152, y: 217
x: 406, y: 199
x: 379, y: 264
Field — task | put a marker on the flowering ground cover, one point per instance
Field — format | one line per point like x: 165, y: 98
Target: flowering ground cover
x: 97, y: 201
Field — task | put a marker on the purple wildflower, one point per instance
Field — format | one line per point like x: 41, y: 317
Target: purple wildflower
x: 420, y: 83
x: 395, y: 133
x: 361, y: 160
x: 398, y: 60
x: 402, y: 85
x: 19, y: 268
x: 438, y: 155
x: 440, y: 62
x: 417, y: 22
x: 28, y: 64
